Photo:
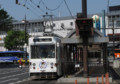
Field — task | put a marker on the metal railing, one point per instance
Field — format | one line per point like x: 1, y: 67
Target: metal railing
x: 94, y: 68
x: 69, y: 68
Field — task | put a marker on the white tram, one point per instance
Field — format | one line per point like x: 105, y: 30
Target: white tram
x: 45, y: 57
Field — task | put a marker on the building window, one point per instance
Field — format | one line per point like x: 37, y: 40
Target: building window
x: 54, y: 25
x: 118, y: 23
x: 71, y: 23
x: 62, y: 25
x: 113, y: 16
x: 118, y: 16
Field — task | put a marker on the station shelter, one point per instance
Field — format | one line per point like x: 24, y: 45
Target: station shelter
x: 97, y: 63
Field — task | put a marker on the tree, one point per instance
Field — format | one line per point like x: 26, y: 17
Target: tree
x: 15, y: 40
x: 5, y: 21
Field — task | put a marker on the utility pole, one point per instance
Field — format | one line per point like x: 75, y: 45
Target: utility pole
x: 113, y: 40
x: 84, y: 8
x: 25, y: 42
x: 25, y: 28
x: 25, y: 45
x: 85, y: 41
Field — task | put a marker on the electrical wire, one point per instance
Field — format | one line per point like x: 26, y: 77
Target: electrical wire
x: 33, y: 7
x: 29, y: 9
x: 54, y: 8
x: 25, y: 2
x: 37, y: 6
x: 40, y: 1
x: 68, y: 9
x: 34, y: 12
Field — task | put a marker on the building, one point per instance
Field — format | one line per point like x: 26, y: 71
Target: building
x: 63, y: 25
x: 113, y: 26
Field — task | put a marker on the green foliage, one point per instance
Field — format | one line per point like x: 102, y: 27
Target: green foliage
x: 5, y: 21
x: 15, y: 40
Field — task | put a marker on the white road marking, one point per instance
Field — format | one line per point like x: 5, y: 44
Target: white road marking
x: 9, y: 69
x: 9, y: 80
x: 6, y: 72
x: 17, y: 68
x: 14, y: 75
x: 21, y: 81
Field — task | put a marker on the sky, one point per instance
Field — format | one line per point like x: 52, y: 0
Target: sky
x: 18, y: 12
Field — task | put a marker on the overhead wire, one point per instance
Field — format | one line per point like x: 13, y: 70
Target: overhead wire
x: 35, y: 13
x: 37, y: 6
x: 25, y: 2
x: 33, y: 8
x: 24, y: 5
x: 40, y: 1
x: 68, y: 9
x: 54, y: 8
x: 47, y: 8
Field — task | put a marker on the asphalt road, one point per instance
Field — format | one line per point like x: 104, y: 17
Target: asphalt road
x: 11, y: 74
x: 39, y: 82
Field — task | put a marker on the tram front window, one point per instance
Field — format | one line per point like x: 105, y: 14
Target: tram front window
x: 43, y: 51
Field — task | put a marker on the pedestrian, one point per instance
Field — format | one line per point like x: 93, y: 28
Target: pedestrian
x: 20, y: 64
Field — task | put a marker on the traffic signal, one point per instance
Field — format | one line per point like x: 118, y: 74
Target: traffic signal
x: 84, y: 26
x: 84, y: 22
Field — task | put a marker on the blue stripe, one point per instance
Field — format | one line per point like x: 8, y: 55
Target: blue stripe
x: 9, y: 59
x: 12, y: 52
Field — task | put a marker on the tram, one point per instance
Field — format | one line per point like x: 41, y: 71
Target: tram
x: 45, y: 57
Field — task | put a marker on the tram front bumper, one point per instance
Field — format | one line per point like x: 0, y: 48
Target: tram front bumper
x: 45, y: 75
